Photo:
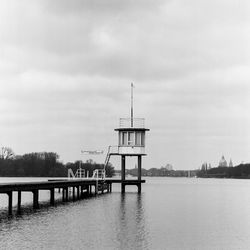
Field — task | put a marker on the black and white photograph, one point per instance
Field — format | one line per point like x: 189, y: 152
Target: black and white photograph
x: 124, y: 125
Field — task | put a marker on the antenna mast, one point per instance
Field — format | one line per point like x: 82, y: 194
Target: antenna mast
x: 132, y: 111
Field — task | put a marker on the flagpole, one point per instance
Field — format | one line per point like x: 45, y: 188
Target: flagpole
x: 132, y: 111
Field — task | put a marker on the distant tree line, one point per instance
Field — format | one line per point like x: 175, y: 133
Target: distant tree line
x: 162, y: 172
x: 43, y: 164
x: 241, y: 171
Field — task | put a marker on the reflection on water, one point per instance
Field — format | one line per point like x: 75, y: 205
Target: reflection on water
x: 171, y: 213
x: 132, y: 233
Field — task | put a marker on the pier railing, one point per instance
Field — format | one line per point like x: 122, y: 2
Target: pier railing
x: 132, y: 123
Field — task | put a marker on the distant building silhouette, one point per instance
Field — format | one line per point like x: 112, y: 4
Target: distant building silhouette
x: 230, y: 163
x: 204, y: 166
x: 169, y: 167
x: 223, y: 162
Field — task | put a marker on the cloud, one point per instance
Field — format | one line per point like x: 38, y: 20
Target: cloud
x: 66, y: 66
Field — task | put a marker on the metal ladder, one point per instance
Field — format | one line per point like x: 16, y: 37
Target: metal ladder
x: 107, y: 158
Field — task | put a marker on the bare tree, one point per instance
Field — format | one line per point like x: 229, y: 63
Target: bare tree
x: 7, y: 153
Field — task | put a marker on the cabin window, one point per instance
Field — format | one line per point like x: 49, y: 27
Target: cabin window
x: 131, y: 138
x: 120, y: 138
x: 137, y: 138
x: 143, y: 139
x: 124, y: 138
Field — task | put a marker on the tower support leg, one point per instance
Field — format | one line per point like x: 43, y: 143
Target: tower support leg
x: 123, y: 172
x: 139, y: 188
x: 139, y: 173
x: 139, y: 167
x: 123, y: 188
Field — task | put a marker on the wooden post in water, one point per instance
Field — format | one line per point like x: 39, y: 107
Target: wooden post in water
x: 10, y: 202
x: 102, y: 187
x: 81, y: 191
x: 63, y: 194
x: 19, y: 197
x: 96, y: 187
x: 52, y: 196
x: 66, y: 194
x: 73, y: 193
x: 78, y: 192
x: 35, y: 199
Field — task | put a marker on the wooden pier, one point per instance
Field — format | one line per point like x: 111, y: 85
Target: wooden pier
x: 79, y: 189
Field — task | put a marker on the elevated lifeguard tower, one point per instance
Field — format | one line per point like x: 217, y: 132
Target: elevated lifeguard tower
x: 131, y: 142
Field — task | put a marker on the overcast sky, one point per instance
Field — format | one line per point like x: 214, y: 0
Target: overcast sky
x: 66, y: 68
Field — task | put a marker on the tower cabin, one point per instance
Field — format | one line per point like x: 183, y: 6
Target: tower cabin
x: 131, y: 136
x: 131, y: 142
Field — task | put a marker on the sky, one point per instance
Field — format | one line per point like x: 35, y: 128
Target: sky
x: 66, y: 67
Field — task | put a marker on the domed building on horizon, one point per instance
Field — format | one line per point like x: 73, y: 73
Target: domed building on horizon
x: 223, y: 162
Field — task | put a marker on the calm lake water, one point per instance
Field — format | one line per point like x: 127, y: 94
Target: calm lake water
x: 171, y: 213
